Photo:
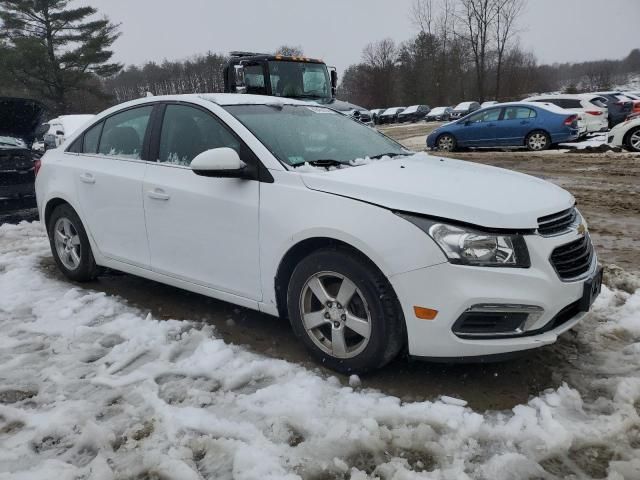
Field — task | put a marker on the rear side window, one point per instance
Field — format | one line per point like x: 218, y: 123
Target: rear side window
x: 571, y: 103
x: 123, y: 133
x: 599, y: 102
x: 189, y: 131
x: 519, y: 113
x: 91, y: 139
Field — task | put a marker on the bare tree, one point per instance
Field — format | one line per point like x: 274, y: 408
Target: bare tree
x: 477, y: 18
x: 506, y: 16
x: 290, y: 51
x: 422, y: 15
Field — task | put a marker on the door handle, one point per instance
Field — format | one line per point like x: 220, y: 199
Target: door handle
x: 158, y: 194
x: 87, y: 178
x: 524, y: 122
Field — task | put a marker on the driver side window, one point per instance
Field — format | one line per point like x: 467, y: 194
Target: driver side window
x: 188, y: 131
x: 487, y: 116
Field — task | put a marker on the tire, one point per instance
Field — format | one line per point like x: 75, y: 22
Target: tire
x: 538, y: 141
x: 446, y: 143
x: 373, y: 309
x: 72, y: 253
x: 633, y: 140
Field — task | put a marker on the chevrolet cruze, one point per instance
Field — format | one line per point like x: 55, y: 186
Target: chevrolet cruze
x: 298, y: 211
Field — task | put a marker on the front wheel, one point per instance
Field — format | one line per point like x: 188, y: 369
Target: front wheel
x: 344, y: 311
x: 538, y: 141
x: 633, y: 140
x: 446, y: 143
x: 70, y: 245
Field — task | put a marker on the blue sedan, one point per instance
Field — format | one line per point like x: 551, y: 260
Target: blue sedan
x: 535, y: 126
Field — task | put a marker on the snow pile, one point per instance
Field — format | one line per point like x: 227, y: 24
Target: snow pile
x: 93, y: 388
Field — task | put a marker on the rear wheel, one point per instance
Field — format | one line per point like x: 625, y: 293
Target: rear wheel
x: 537, y: 141
x: 633, y: 140
x: 70, y: 245
x: 446, y: 143
x: 344, y: 311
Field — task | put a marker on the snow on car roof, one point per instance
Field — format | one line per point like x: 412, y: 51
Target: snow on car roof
x: 411, y: 109
x: 438, y: 109
x: 463, y: 105
x: 392, y: 110
x: 544, y: 105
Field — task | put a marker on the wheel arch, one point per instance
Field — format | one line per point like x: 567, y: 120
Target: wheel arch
x: 627, y: 136
x: 299, y: 251
x: 51, y: 205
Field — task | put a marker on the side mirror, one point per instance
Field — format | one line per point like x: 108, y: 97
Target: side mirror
x: 219, y: 162
x: 241, y: 86
x: 60, y: 132
x: 467, y: 123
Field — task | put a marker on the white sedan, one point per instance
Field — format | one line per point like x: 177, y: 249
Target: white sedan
x: 298, y: 211
x: 626, y: 134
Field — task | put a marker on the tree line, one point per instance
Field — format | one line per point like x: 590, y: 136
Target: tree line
x: 468, y: 50
x: 463, y: 50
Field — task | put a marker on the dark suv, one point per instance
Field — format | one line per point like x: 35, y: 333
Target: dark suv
x: 20, y: 120
x: 620, y: 106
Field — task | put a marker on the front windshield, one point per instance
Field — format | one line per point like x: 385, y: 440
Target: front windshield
x: 299, y: 134
x: 438, y: 110
x: 299, y: 80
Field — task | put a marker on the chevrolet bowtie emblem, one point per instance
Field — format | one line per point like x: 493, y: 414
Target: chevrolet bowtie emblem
x: 582, y: 229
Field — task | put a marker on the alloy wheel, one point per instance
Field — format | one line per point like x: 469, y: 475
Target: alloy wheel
x: 445, y: 143
x: 537, y: 141
x: 67, y: 243
x: 335, y: 315
x: 634, y: 140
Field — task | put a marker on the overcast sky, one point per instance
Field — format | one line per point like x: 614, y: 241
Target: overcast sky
x: 337, y: 30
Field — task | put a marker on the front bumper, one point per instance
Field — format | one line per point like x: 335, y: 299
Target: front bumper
x: 454, y: 289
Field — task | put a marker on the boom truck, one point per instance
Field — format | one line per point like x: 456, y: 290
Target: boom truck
x: 291, y: 77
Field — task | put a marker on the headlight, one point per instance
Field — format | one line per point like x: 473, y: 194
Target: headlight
x: 467, y: 246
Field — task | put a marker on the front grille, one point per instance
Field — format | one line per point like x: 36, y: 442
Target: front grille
x: 573, y: 259
x: 557, y: 223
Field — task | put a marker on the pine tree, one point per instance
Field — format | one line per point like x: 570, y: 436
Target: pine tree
x: 55, y: 51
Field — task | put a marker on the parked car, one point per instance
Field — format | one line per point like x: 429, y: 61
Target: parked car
x: 61, y: 127
x: 464, y: 109
x: 592, y: 108
x: 197, y: 191
x: 375, y: 115
x: 620, y: 106
x: 439, y: 114
x: 627, y: 134
x: 536, y: 126
x: 488, y: 103
x: 414, y: 113
x: 20, y: 119
x: 390, y: 115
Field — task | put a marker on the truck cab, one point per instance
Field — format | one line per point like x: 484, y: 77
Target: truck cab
x: 301, y: 78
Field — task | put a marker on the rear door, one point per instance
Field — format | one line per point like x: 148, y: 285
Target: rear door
x: 203, y: 230
x: 108, y: 173
x: 517, y: 122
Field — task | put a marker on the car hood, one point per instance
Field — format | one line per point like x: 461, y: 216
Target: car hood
x: 342, y: 106
x: 21, y: 118
x: 467, y: 192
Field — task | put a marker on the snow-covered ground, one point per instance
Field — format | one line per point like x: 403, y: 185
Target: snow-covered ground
x: 92, y: 388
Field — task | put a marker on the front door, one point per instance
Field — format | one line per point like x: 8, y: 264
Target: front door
x: 108, y: 173
x: 480, y: 129
x: 201, y: 229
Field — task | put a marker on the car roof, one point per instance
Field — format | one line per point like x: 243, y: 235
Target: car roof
x: 544, y: 105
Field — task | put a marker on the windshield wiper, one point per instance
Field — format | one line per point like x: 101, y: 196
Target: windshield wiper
x: 390, y: 154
